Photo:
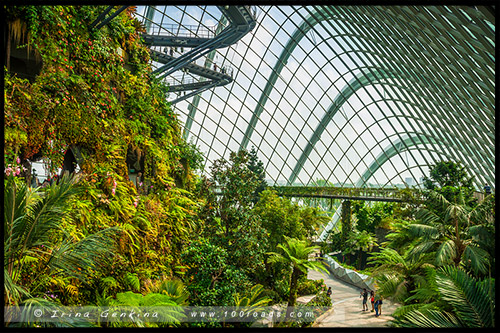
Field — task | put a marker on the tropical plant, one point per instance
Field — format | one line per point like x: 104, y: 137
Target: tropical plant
x: 35, y: 245
x: 296, y: 253
x: 252, y: 298
x: 211, y: 278
x: 173, y: 288
x: 469, y: 303
x: 360, y: 242
x: 458, y: 235
x: 162, y: 305
x: 397, y: 275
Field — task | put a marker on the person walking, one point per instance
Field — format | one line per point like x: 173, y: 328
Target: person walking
x: 364, y: 294
x: 378, y: 305
x: 329, y: 292
x: 372, y: 300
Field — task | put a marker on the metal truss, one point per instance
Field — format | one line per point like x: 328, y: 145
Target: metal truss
x: 353, y: 95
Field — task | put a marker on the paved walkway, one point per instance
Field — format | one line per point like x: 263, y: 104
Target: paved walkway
x: 347, y: 306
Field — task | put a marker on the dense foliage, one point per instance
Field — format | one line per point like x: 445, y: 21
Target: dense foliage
x: 439, y: 261
x: 172, y: 237
x: 101, y: 237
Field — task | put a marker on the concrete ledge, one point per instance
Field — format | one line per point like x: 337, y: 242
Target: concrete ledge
x: 348, y: 275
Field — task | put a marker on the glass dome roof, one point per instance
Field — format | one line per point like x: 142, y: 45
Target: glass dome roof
x: 352, y: 95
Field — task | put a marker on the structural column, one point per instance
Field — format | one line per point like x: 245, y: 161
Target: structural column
x: 345, y: 219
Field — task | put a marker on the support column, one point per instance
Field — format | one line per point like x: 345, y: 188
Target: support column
x: 345, y: 219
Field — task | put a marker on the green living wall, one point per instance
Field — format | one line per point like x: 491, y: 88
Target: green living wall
x: 95, y: 93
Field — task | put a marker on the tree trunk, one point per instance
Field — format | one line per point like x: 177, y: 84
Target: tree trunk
x: 293, y: 291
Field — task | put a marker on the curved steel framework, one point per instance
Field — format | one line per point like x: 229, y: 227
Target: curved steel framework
x: 353, y: 95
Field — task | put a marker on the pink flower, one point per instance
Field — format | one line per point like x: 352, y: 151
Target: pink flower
x: 18, y: 160
x: 113, y: 191
x: 135, y: 204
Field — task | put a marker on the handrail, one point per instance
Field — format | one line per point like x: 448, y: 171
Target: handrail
x: 209, y: 40
x: 183, y: 30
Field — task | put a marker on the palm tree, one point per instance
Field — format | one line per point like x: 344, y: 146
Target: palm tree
x: 397, y: 275
x: 458, y: 234
x: 33, y: 233
x: 296, y: 253
x: 469, y: 303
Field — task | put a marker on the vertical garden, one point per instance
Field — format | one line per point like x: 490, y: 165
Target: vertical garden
x: 128, y: 218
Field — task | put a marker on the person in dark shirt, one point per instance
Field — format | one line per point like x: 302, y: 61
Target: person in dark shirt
x: 364, y: 294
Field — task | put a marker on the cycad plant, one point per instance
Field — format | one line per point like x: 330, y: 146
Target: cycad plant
x: 458, y: 235
x: 36, y: 245
x: 397, y: 275
x: 469, y: 303
x: 296, y: 253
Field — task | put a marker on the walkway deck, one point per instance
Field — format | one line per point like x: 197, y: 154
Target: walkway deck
x: 347, y: 306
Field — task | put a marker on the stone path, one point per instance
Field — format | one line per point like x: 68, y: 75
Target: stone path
x: 347, y: 306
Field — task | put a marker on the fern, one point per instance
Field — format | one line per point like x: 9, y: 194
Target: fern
x: 132, y: 280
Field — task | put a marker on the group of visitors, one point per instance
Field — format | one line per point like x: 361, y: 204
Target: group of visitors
x: 375, y: 299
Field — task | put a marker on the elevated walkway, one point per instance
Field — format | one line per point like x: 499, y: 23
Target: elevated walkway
x: 345, y: 193
x: 175, y: 35
x: 241, y: 20
x: 220, y: 76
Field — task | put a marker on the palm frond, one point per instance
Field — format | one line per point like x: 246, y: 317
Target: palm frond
x: 476, y: 258
x: 446, y: 252
x: 403, y: 310
x: 422, y: 248
x: 480, y: 213
x: 455, y: 212
x: 431, y: 319
x: 91, y: 253
x: 469, y: 298
x: 42, y: 216
x: 175, y: 289
x: 13, y: 292
x: 423, y: 230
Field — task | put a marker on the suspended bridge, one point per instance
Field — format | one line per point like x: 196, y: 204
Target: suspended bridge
x: 344, y: 193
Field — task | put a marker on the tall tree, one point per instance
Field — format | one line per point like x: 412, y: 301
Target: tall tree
x: 447, y: 178
x: 230, y: 221
x: 257, y: 167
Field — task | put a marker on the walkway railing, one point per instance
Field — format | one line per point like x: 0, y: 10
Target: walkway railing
x: 178, y: 30
x: 351, y: 193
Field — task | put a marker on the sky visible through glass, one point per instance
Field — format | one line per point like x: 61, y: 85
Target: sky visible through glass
x: 336, y: 92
